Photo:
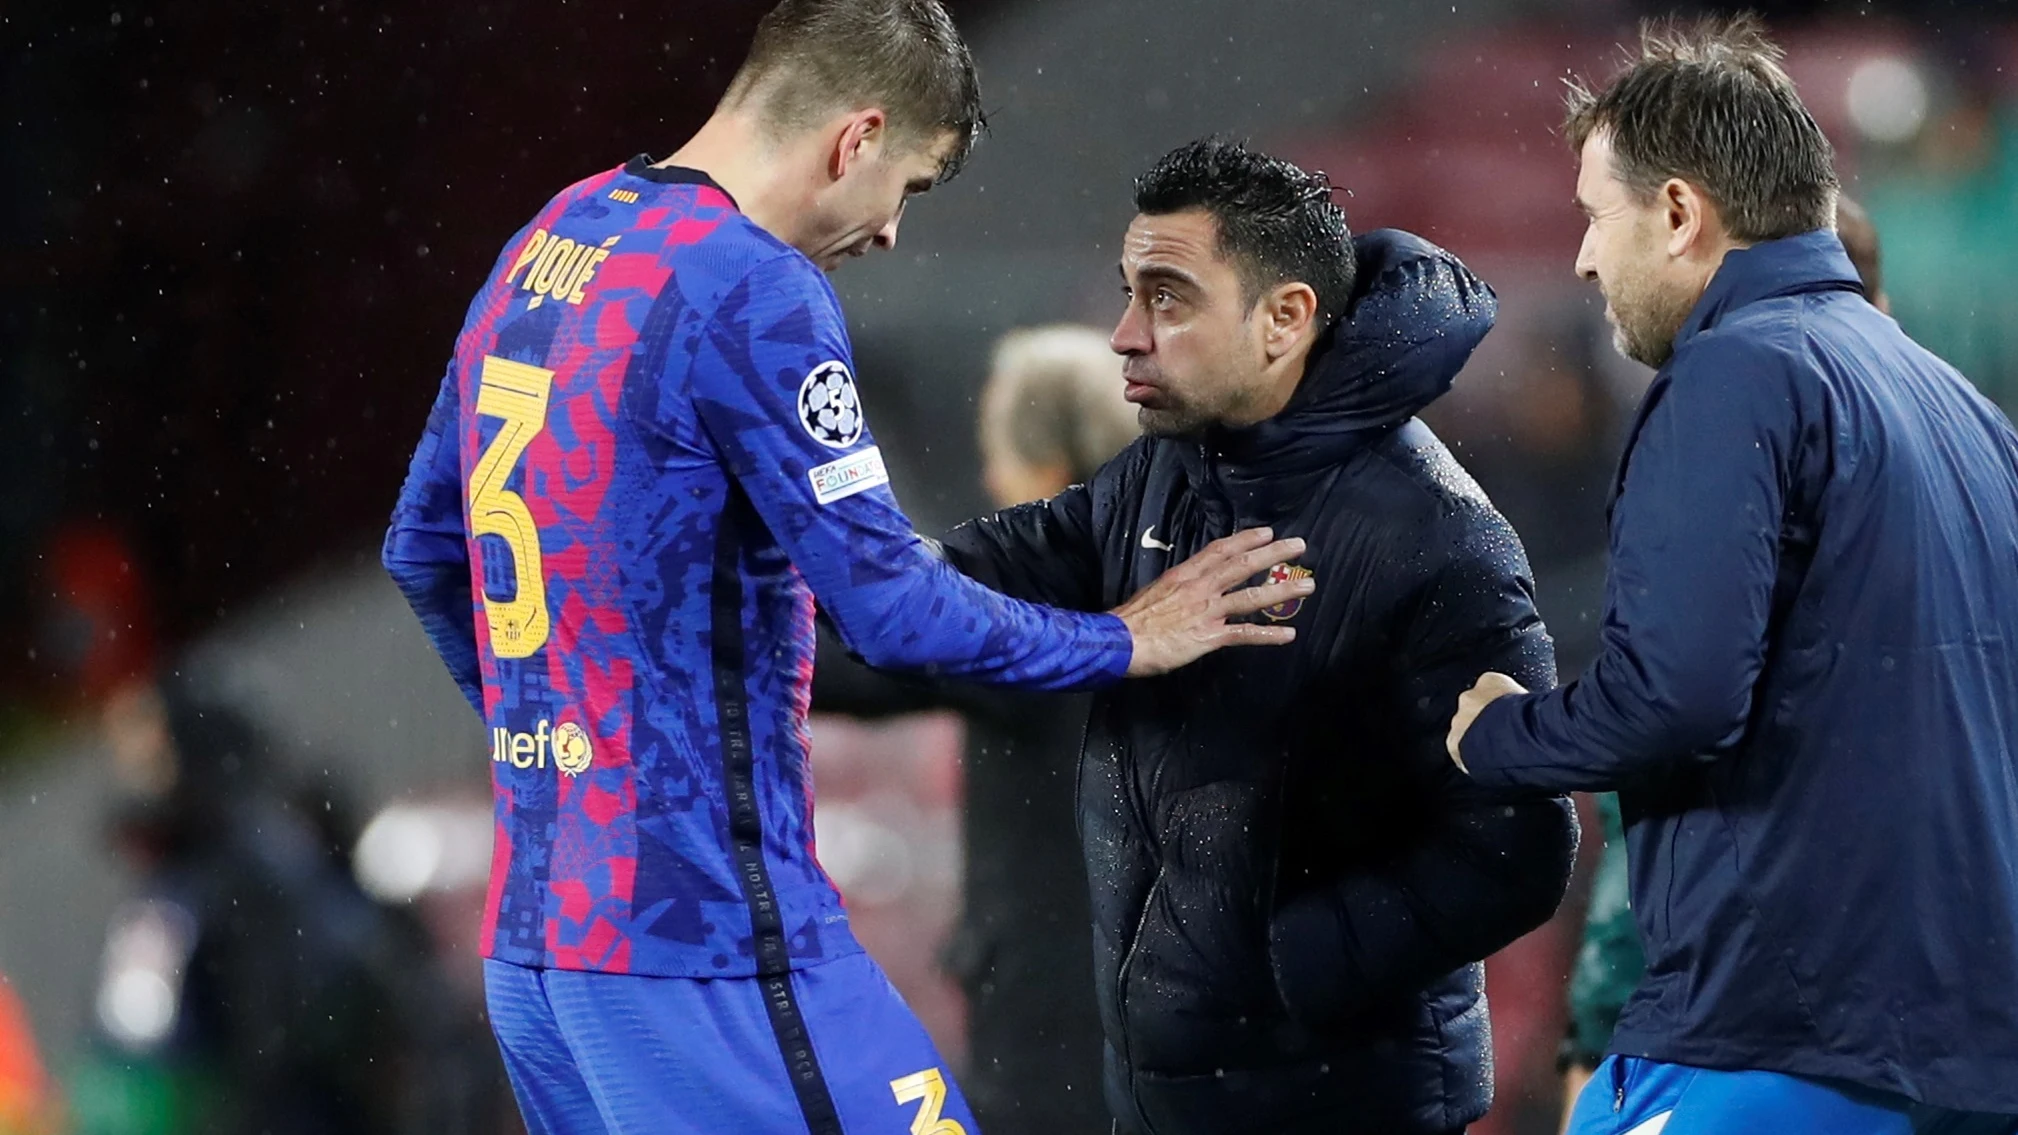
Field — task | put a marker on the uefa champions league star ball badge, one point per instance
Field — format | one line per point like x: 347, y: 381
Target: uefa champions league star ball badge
x: 829, y: 407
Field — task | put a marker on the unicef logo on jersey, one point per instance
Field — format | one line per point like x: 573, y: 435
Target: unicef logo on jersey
x: 829, y: 407
x: 572, y: 750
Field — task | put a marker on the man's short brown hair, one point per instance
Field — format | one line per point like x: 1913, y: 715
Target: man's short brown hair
x: 814, y: 58
x: 1708, y: 103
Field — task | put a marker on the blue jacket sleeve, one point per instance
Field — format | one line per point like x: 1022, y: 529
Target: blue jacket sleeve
x: 773, y: 385
x: 1694, y: 557
x: 426, y: 550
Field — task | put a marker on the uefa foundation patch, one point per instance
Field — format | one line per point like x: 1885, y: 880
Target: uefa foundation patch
x: 850, y: 475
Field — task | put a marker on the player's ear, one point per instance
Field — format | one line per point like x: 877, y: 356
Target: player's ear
x: 1289, y: 315
x: 1689, y: 215
x: 862, y: 136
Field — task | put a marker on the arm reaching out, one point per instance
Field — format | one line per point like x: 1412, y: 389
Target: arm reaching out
x: 783, y: 412
x: 1695, y: 553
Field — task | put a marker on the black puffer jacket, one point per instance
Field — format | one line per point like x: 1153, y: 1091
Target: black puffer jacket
x: 1292, y: 886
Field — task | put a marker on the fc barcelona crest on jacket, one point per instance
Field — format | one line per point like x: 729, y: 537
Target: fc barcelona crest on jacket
x: 1283, y: 573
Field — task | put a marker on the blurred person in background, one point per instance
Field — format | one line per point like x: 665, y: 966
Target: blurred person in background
x: 94, y: 629
x: 646, y: 461
x: 1807, y: 694
x: 1860, y: 244
x: 1051, y: 414
x: 1292, y: 890
x: 1947, y: 197
x: 250, y: 986
x: 1611, y: 961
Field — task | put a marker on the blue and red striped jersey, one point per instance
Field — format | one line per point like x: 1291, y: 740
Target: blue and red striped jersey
x: 646, y: 462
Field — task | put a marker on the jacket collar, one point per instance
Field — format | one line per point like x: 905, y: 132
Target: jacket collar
x: 1795, y: 265
x: 1810, y: 262
x: 1416, y: 315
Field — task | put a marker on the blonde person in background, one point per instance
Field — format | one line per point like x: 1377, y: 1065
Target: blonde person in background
x: 1051, y: 412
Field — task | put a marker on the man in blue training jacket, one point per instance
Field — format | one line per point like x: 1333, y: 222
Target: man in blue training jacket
x: 1807, y: 691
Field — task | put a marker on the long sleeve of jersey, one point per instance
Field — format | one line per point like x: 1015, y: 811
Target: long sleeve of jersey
x: 426, y: 552
x: 773, y: 386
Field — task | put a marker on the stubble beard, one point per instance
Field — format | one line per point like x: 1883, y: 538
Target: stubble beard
x: 1170, y: 421
x: 1180, y: 415
x: 1645, y: 319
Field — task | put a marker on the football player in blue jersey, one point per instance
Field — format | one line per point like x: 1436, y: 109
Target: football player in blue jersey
x: 646, y: 461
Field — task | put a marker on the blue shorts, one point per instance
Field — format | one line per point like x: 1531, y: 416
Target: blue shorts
x: 1629, y: 1095
x: 829, y: 1050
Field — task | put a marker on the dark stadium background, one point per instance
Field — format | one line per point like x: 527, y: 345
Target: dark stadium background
x: 240, y: 238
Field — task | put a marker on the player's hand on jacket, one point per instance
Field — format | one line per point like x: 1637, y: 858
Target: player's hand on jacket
x: 1489, y: 688
x: 1186, y: 614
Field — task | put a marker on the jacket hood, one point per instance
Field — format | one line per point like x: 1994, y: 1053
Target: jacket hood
x: 1416, y: 315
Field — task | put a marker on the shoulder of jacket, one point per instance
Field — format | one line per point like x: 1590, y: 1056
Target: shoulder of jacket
x: 1436, y: 513
x: 1126, y: 470
x: 1437, y: 484
x: 1114, y: 491
x: 1764, y: 338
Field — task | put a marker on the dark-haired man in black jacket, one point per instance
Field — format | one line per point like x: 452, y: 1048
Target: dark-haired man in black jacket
x: 1292, y: 887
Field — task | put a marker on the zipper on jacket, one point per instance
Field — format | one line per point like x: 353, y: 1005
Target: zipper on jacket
x: 1213, y: 496
x: 1139, y: 801
x: 1213, y: 503
x: 1138, y: 808
x: 1121, y: 978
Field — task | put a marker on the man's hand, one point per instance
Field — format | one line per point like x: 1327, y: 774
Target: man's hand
x: 1489, y: 688
x: 1183, y: 615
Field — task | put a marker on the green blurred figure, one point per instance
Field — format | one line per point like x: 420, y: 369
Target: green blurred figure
x: 1608, y: 965
x: 1952, y: 212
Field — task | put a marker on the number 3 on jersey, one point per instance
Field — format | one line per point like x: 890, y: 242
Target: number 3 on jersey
x: 517, y: 393
x: 927, y: 1089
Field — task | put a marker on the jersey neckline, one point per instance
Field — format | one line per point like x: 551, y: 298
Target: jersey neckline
x: 641, y: 166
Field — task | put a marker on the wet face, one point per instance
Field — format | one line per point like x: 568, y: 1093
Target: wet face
x: 1627, y: 251
x: 865, y: 204
x: 1192, y: 343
